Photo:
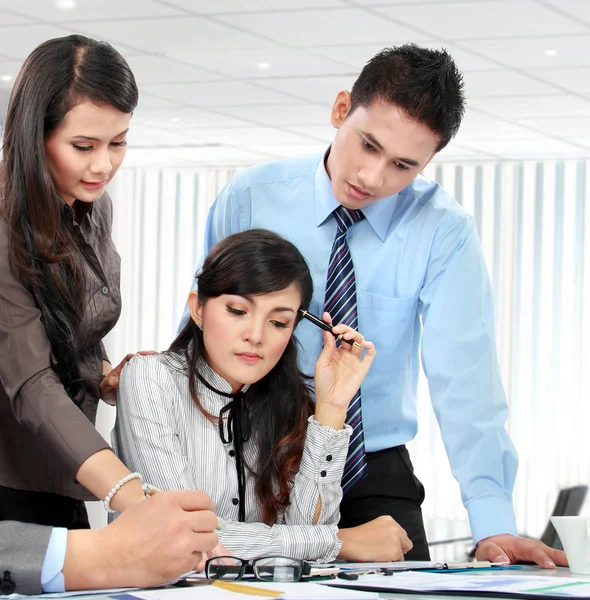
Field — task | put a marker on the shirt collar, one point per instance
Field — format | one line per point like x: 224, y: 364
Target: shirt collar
x: 82, y: 209
x: 216, y: 380
x: 378, y: 214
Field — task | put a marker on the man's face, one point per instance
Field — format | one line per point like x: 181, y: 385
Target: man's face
x: 378, y: 150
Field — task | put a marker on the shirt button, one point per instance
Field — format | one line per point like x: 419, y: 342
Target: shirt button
x: 235, y: 501
x: 329, y: 457
x: 93, y: 367
x: 105, y: 290
x: 232, y: 453
x: 323, y: 473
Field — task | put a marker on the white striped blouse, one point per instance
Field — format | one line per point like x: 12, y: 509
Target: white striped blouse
x: 162, y: 434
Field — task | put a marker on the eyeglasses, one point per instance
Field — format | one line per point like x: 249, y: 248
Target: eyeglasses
x: 267, y: 568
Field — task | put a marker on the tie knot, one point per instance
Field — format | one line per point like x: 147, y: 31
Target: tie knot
x: 345, y: 217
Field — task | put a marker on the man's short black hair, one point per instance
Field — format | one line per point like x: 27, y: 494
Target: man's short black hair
x: 424, y: 83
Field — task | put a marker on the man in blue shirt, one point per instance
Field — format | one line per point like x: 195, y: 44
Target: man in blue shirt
x: 421, y: 286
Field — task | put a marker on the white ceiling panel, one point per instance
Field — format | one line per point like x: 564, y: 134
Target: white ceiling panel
x: 357, y: 56
x: 155, y: 69
x: 143, y: 136
x: 248, y: 136
x: 323, y: 27
x: 322, y: 90
x: 9, y: 69
x: 269, y: 62
x: 456, y: 152
x: 476, y: 20
x: 498, y: 83
x: 178, y: 119
x: 18, y: 42
x: 210, y: 7
x: 287, y: 115
x: 531, y: 107
x: 218, y: 155
x: 324, y: 133
x: 88, y: 10
x: 9, y: 17
x: 284, y: 151
x: 546, y: 52
x: 577, y: 9
x: 518, y: 149
x: 217, y: 94
x: 203, y: 81
x: 574, y: 80
x: 478, y: 127
x: 567, y: 128
x: 147, y: 101
x: 176, y: 36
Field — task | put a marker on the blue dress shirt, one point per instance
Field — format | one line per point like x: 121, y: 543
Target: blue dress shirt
x: 422, y: 284
x: 52, y: 579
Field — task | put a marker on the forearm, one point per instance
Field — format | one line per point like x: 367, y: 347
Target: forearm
x: 101, y: 472
x: 316, y: 493
x: 309, y: 542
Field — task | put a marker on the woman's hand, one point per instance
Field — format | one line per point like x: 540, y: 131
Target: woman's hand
x: 339, y: 373
x: 379, y: 540
x: 108, y: 386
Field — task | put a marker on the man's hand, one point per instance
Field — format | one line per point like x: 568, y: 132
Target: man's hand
x: 513, y: 549
x: 153, y: 541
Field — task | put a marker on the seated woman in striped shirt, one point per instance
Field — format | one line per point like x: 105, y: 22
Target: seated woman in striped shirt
x: 226, y: 410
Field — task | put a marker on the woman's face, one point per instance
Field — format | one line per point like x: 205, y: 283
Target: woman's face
x: 246, y: 336
x: 86, y: 150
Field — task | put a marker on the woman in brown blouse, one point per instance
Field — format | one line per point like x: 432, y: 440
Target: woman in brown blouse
x: 64, y: 140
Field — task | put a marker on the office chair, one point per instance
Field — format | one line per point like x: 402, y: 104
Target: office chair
x: 568, y: 504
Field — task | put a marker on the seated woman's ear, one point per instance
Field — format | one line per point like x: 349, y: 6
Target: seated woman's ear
x: 195, y: 308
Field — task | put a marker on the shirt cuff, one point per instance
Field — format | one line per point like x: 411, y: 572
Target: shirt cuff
x: 52, y: 579
x: 324, y: 452
x: 490, y: 516
x: 320, y: 541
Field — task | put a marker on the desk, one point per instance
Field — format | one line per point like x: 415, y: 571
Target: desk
x: 559, y: 573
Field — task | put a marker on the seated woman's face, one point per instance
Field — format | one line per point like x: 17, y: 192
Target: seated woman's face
x: 246, y: 336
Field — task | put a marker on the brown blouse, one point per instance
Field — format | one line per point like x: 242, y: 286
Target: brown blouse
x: 44, y: 436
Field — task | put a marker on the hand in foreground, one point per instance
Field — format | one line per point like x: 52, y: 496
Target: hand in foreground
x: 153, y: 541
x: 339, y: 373
x: 219, y: 550
x: 513, y: 549
x: 108, y: 386
x: 379, y: 540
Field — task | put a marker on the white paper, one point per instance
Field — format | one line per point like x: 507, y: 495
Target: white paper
x: 507, y: 583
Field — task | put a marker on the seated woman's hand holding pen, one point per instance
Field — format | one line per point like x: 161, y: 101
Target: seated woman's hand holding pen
x: 339, y: 373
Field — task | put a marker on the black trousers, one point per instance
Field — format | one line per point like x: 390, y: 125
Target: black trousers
x: 390, y: 488
x: 42, y: 508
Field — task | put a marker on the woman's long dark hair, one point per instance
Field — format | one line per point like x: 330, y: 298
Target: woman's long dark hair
x: 57, y: 75
x: 250, y: 263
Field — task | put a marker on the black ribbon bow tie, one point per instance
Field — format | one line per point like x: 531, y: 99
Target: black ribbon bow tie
x: 234, y: 426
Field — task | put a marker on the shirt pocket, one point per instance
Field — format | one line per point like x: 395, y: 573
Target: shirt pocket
x: 391, y: 324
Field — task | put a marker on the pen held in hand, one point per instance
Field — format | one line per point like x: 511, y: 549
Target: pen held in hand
x: 327, y: 327
x: 150, y: 490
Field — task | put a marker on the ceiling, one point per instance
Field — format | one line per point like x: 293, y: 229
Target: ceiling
x: 233, y: 82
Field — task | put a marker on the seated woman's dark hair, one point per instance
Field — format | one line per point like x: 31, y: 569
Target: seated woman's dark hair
x: 251, y: 263
x: 58, y: 75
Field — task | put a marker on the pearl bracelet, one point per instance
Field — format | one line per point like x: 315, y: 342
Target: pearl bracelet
x: 117, y: 487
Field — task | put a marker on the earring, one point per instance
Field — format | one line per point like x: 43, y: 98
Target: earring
x: 200, y: 326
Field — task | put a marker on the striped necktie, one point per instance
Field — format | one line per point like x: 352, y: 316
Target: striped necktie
x: 340, y: 302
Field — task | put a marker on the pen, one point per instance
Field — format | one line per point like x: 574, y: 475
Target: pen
x: 150, y: 490
x: 326, y: 327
